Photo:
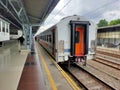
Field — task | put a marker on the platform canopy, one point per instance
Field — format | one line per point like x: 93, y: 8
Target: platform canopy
x: 113, y: 28
x: 22, y: 12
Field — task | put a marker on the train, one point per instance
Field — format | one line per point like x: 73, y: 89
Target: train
x: 15, y: 34
x: 73, y: 38
x: 7, y: 35
x: 4, y: 30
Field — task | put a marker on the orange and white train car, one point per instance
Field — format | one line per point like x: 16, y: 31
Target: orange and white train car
x: 72, y: 37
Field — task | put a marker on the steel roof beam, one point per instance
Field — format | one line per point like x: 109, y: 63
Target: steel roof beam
x: 35, y: 25
x: 9, y: 11
x: 18, y: 14
x: 9, y: 21
x: 20, y: 11
x: 13, y: 6
x: 20, y: 1
x: 34, y: 17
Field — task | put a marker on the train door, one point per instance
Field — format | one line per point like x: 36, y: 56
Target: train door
x: 53, y: 48
x: 79, y: 37
x: 79, y: 40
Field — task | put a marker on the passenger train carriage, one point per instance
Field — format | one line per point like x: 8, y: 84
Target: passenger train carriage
x: 4, y: 30
x: 73, y: 37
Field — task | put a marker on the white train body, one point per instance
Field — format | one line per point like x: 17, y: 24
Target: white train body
x: 16, y: 35
x: 65, y: 39
x: 4, y: 30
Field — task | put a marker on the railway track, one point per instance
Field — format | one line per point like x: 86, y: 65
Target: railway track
x: 108, y: 60
x: 86, y: 79
x: 109, y: 53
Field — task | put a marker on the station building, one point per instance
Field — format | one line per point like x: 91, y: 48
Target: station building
x: 109, y: 36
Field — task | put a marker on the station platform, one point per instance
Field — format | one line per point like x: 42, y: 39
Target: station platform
x: 11, y: 65
x: 40, y: 73
x: 26, y: 71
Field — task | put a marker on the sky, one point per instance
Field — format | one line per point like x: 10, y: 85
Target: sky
x: 94, y: 10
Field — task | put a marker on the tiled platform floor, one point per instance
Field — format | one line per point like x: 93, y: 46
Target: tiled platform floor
x: 31, y: 78
x: 11, y: 66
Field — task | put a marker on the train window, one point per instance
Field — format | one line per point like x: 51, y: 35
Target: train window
x: 50, y: 38
x: 77, y: 35
x: 53, y: 39
x: 43, y: 37
x: 0, y: 25
x: 3, y: 26
x: 47, y: 38
x: 7, y: 28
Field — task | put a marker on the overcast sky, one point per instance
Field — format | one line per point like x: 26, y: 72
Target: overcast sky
x: 91, y: 9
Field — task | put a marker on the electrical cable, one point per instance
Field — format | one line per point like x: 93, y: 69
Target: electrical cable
x: 60, y: 10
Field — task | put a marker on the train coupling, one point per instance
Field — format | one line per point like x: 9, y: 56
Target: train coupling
x: 81, y: 59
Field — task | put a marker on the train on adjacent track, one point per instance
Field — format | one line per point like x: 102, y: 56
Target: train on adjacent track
x: 4, y: 30
x: 7, y: 34
x: 73, y: 38
x: 15, y: 34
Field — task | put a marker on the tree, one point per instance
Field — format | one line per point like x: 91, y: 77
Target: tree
x: 114, y: 22
x: 102, y: 23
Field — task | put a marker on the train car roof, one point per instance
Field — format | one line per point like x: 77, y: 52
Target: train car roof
x: 81, y: 18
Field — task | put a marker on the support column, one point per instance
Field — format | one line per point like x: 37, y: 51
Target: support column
x: 25, y: 36
x: 31, y: 38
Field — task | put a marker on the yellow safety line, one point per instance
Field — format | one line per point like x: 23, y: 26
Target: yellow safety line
x: 69, y: 80
x: 52, y: 83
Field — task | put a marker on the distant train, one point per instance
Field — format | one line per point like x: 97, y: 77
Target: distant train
x: 4, y: 30
x: 73, y: 38
x: 6, y: 34
x: 15, y: 34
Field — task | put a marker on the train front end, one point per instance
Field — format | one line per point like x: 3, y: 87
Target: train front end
x: 76, y: 39
x: 79, y: 40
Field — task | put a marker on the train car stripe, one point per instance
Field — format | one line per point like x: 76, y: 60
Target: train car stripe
x: 66, y: 50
